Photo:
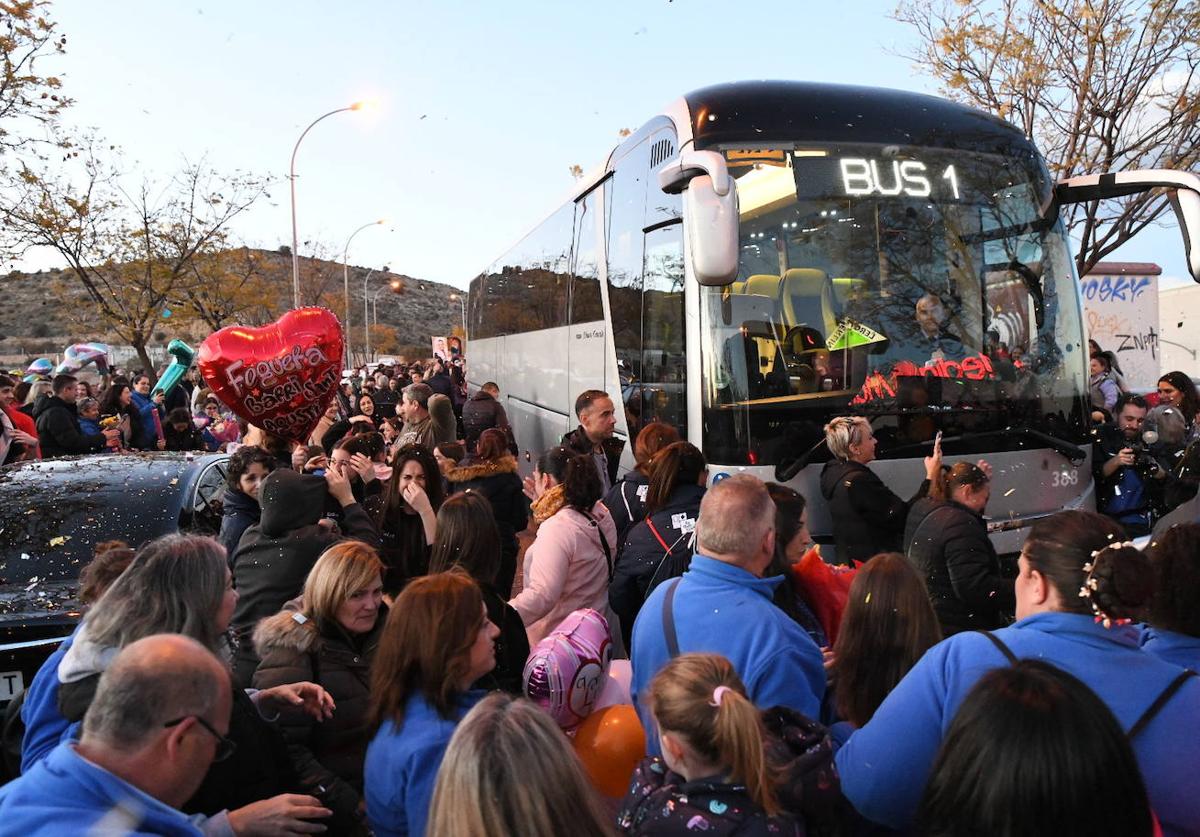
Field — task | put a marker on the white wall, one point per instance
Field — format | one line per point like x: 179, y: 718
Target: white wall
x: 1179, y: 322
x: 1121, y: 314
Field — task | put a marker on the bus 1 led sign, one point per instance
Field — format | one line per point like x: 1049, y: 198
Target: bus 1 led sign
x: 912, y: 178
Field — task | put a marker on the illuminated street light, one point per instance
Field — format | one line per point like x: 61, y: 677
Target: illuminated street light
x: 463, y: 306
x: 292, y: 178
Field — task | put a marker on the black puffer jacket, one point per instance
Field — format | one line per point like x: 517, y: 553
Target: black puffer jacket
x: 328, y: 756
x: 949, y: 545
x: 480, y: 413
x: 239, y: 511
x: 512, y: 646
x: 867, y: 517
x: 274, y: 556
x: 58, y: 429
x: 497, y: 480
x: 641, y: 553
x: 626, y: 502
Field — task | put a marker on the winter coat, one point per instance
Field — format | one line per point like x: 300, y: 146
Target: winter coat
x: 498, y: 481
x: 641, y: 554
x: 720, y: 608
x: 867, y: 517
x: 565, y: 570
x: 949, y: 545
x: 661, y: 803
x: 239, y: 511
x: 578, y: 441
x: 1174, y: 647
x: 146, y: 437
x: 59, y: 433
x: 402, y: 764
x: 19, y: 421
x: 626, y: 502
x: 512, y: 646
x: 274, y: 556
x: 440, y: 383
x: 45, y: 726
x: 68, y: 795
x: 1103, y: 391
x: 190, y: 439
x: 885, y: 765
x: 480, y: 413
x: 445, y: 423
x: 328, y: 755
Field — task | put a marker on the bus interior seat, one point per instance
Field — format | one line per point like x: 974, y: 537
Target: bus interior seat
x: 756, y: 344
x: 806, y: 299
x: 763, y: 284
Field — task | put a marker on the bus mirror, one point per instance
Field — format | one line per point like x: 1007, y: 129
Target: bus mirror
x: 1184, y: 190
x: 711, y: 219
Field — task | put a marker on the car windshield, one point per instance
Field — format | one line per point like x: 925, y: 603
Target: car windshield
x: 920, y: 287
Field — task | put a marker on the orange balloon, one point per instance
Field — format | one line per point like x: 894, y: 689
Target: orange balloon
x: 610, y: 742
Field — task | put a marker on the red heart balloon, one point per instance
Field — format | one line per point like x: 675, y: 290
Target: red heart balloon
x: 280, y: 377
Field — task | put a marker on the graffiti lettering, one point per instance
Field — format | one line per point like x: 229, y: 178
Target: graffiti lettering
x: 1119, y: 288
x: 1139, y: 342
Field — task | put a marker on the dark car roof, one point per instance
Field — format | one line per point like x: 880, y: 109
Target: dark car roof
x: 54, y: 512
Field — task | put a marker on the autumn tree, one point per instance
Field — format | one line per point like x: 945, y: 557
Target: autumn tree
x: 132, y: 251
x: 30, y: 102
x: 227, y: 285
x: 1100, y: 86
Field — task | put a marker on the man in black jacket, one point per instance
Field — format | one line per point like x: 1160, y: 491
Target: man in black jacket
x: 594, y: 436
x: 483, y: 412
x: 58, y: 423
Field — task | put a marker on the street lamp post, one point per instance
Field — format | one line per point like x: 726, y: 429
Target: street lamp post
x: 395, y: 286
x: 346, y: 280
x: 292, y: 178
x: 463, y: 306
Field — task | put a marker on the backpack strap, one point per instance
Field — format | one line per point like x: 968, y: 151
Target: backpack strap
x: 668, y: 619
x: 1159, y: 702
x: 1000, y: 646
x: 603, y: 543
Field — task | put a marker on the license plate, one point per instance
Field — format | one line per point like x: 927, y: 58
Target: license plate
x: 12, y: 683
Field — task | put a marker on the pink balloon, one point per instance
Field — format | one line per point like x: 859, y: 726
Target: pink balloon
x: 616, y: 685
x: 565, y: 672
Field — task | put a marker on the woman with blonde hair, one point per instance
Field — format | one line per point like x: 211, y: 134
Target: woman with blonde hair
x: 868, y: 518
x: 330, y: 639
x: 713, y: 775
x: 510, y: 771
x: 437, y: 642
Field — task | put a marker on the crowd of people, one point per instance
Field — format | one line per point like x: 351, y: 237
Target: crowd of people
x: 348, y: 654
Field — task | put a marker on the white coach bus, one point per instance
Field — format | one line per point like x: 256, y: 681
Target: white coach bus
x: 750, y: 263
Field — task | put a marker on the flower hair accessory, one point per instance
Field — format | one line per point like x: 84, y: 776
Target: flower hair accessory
x: 719, y: 693
x: 1091, y: 584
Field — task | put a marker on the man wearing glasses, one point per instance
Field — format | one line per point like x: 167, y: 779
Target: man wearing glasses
x: 159, y: 719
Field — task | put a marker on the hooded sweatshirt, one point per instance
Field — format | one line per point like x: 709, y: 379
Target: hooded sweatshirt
x: 67, y: 795
x: 274, y: 556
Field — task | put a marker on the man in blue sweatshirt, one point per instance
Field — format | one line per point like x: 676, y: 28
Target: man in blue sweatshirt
x: 158, y: 720
x: 722, y: 605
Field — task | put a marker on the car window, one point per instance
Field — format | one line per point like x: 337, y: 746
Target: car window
x: 206, y: 503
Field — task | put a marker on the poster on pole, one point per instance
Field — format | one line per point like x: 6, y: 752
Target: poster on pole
x: 441, y: 347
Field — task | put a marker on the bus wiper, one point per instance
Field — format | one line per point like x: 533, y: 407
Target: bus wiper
x: 784, y: 471
x: 1033, y: 284
x: 1071, y: 451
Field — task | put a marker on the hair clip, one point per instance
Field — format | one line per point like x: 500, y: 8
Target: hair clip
x: 717, y: 694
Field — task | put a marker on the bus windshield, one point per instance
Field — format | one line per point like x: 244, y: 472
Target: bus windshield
x: 920, y: 287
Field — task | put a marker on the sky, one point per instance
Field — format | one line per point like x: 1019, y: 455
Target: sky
x: 481, y: 108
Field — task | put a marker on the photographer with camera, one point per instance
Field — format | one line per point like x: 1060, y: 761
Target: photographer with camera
x: 1129, y: 479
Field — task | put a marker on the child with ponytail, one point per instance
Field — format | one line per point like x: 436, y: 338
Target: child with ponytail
x: 713, y: 775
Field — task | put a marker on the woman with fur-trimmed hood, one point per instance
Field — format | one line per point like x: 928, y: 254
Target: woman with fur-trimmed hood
x: 492, y: 472
x: 329, y: 636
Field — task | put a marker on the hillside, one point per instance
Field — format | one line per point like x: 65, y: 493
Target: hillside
x: 34, y: 321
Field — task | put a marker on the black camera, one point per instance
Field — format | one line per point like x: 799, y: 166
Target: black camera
x: 1143, y: 459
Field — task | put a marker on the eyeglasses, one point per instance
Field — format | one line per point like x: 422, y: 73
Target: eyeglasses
x: 225, y: 747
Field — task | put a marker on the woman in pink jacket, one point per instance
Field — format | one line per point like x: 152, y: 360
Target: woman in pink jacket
x: 569, y: 564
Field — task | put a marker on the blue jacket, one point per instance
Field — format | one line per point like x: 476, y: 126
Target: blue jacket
x: 1177, y: 648
x: 147, y: 437
x: 67, y: 795
x: 44, y: 724
x: 239, y: 512
x: 402, y: 765
x: 723, y: 609
x: 884, y: 766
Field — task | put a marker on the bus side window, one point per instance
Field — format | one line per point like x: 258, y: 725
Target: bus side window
x: 586, y: 305
x: 664, y: 367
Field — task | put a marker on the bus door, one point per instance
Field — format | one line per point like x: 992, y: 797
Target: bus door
x: 586, y: 333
